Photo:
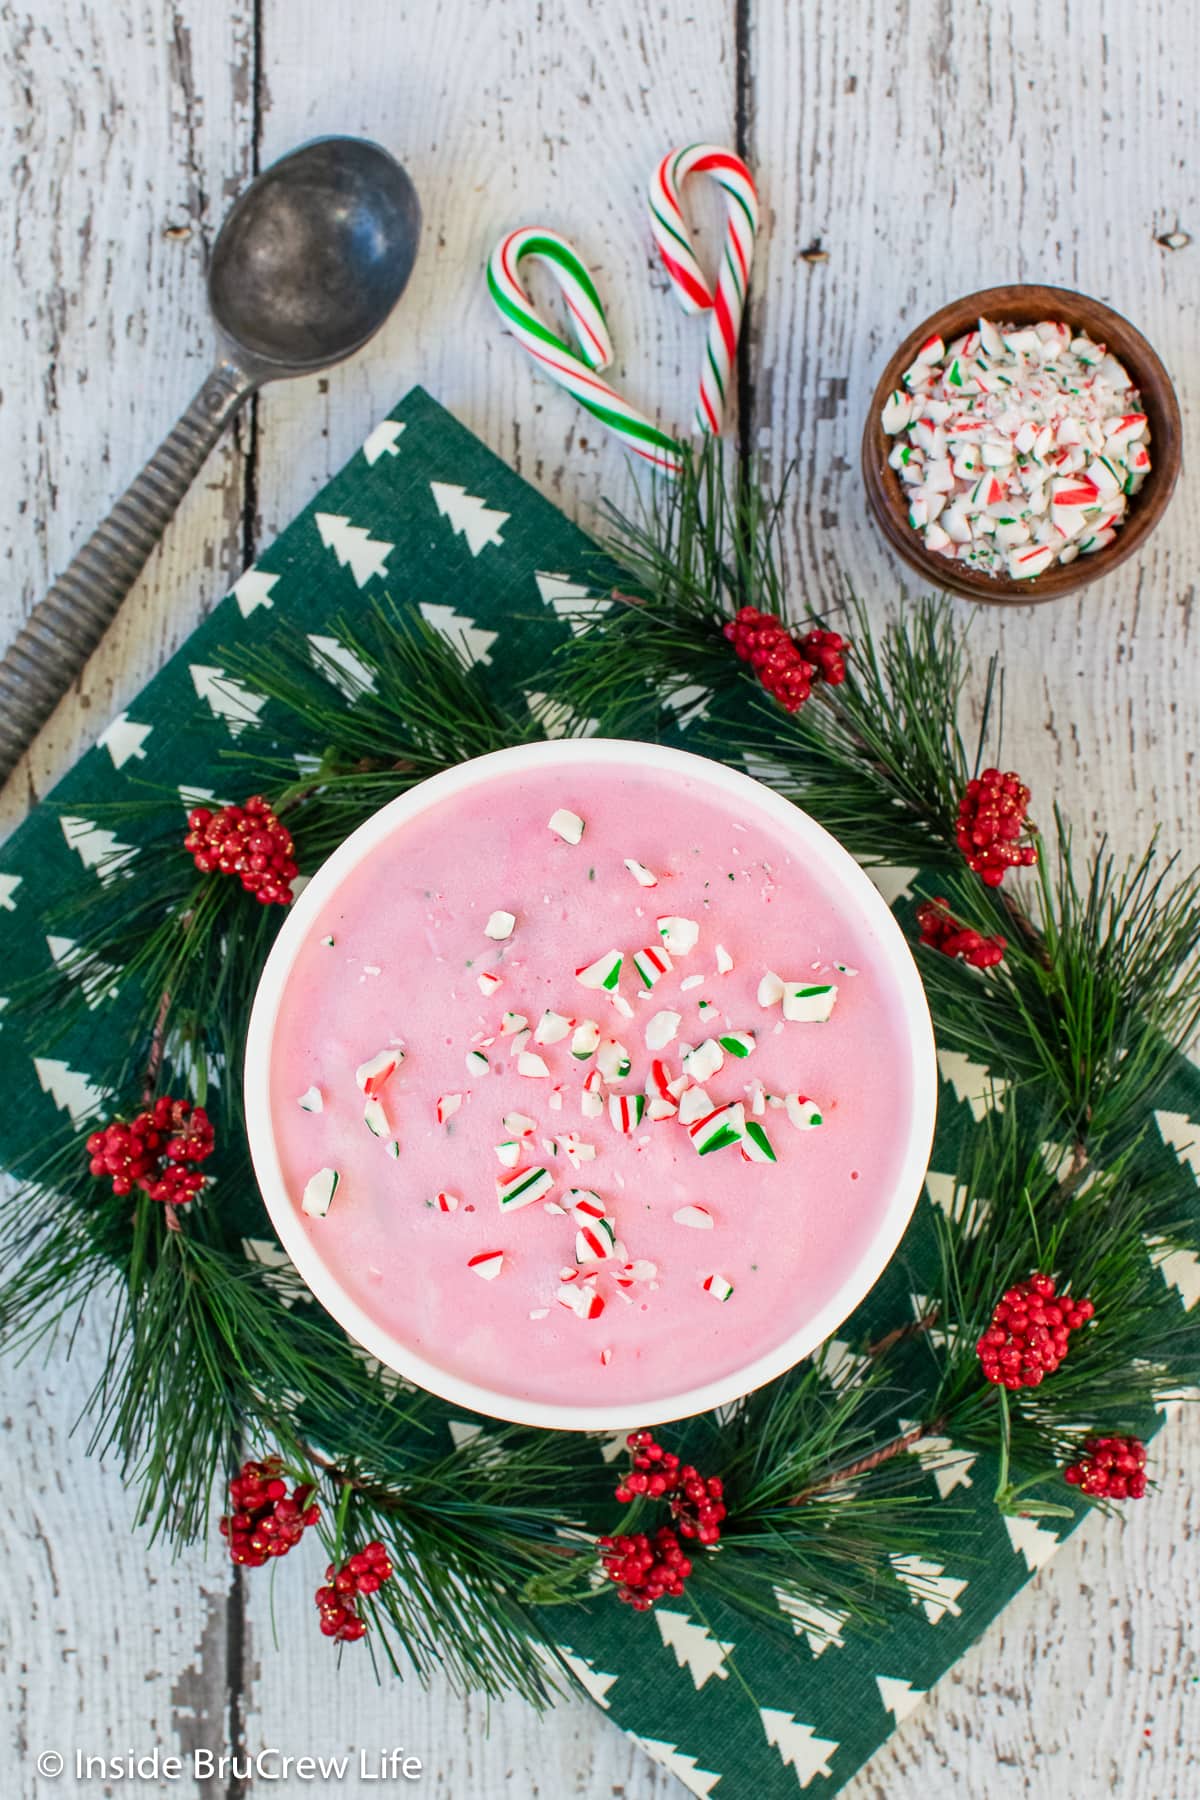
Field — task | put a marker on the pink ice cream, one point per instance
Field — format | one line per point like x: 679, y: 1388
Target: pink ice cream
x: 395, y: 960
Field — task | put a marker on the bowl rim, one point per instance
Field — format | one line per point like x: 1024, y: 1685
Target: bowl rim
x: 812, y: 840
x: 1061, y: 580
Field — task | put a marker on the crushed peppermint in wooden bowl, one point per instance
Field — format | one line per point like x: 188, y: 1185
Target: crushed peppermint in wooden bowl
x: 1019, y: 446
x: 1021, y: 442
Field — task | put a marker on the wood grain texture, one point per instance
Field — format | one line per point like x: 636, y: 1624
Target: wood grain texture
x: 924, y: 150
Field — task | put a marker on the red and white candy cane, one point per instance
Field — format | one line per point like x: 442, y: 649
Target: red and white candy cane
x: 688, y: 279
x: 558, y: 360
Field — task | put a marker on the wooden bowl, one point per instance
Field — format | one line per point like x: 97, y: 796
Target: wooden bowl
x: 1026, y: 305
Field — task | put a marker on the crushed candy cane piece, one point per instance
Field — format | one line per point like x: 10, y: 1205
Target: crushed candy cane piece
x: 531, y: 1064
x: 641, y: 874
x: 372, y: 1075
x: 446, y: 1203
x: 511, y: 1022
x: 724, y: 960
x: 621, y: 1005
x: 694, y: 1104
x: 717, y: 1286
x: 488, y: 983
x: 500, y: 925
x: 318, y: 1193
x: 551, y: 1028
x: 737, y: 1043
x: 803, y: 1113
x: 604, y: 973
x: 581, y: 1299
x: 706, y: 1060
x: 375, y: 1119
x: 612, y: 1060
x: 680, y: 936
x: 568, y: 825
x: 576, y: 1150
x: 698, y: 1217
x: 477, y: 1063
x: 809, y: 1003
x: 659, y: 1109
x: 651, y: 965
x: 522, y: 1188
x: 605, y: 1357
x: 661, y: 1029
x: 625, y: 1111
x: 447, y: 1106
x: 518, y: 1040
x: 719, y: 1130
x: 756, y: 1145
x: 519, y: 1123
x: 509, y: 1153
x: 311, y: 1100
x: 487, y: 1265
x: 595, y: 1242
x: 770, y: 989
x: 540, y: 1312
x: 583, y: 1205
x: 689, y: 982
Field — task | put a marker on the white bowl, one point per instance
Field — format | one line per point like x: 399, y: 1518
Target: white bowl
x: 818, y: 848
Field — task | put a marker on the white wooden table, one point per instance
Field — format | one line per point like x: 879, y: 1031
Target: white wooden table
x: 926, y: 148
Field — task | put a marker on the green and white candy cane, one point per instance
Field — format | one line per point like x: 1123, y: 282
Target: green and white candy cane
x: 575, y: 372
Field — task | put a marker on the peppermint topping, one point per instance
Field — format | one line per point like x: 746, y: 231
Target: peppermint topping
x: 522, y: 1188
x: 604, y: 973
x: 551, y: 1028
x: 641, y: 874
x: 319, y: 1190
x: 809, y: 1003
x: 568, y: 825
x: 372, y: 1075
x: 802, y: 1112
x: 661, y: 1029
x: 487, y: 1265
x: 311, y: 1101
x: 679, y: 935
x: 500, y: 926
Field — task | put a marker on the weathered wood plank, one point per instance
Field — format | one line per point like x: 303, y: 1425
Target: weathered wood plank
x: 125, y: 132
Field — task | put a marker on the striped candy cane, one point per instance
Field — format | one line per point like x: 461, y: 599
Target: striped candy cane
x: 571, y: 371
x: 688, y: 279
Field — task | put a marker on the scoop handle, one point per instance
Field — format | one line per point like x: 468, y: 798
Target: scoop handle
x: 56, y: 640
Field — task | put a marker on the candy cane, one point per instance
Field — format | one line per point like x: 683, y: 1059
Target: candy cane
x: 688, y: 279
x: 560, y: 362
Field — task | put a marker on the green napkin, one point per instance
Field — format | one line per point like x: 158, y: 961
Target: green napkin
x: 425, y: 513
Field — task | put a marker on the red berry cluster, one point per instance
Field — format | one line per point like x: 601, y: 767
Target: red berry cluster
x: 363, y: 1573
x: 266, y: 1520
x: 247, y: 841
x: 645, y: 1568
x: 786, y: 666
x: 942, y: 931
x: 156, y: 1151
x: 1030, y: 1332
x: 1111, y: 1468
x: 991, y: 817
